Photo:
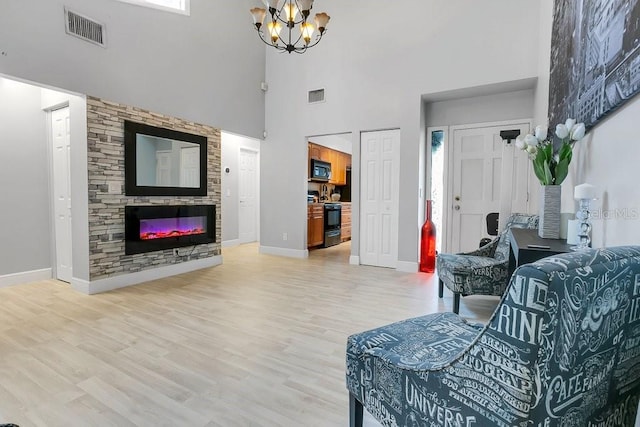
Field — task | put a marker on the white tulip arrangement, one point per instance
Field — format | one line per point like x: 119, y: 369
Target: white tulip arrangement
x: 551, y: 166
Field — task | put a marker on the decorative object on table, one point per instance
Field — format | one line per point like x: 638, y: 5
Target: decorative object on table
x: 291, y: 13
x: 553, y: 326
x: 565, y: 217
x: 584, y: 193
x: 572, y: 232
x: 428, y: 243
x: 590, y: 78
x: 550, y: 160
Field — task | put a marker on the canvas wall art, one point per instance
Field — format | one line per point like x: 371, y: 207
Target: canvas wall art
x: 595, y: 58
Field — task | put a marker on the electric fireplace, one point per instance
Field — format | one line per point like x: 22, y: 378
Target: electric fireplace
x: 154, y: 228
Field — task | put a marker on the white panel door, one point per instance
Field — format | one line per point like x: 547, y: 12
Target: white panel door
x: 380, y: 166
x: 190, y: 167
x: 248, y: 196
x: 483, y: 182
x: 163, y: 168
x: 62, y: 192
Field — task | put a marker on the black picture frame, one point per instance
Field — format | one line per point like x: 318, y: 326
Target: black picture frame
x: 131, y: 187
x: 595, y: 59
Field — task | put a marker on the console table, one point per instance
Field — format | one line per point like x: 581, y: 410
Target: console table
x: 527, y: 247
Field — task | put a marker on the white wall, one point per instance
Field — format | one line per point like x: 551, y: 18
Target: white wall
x: 25, y: 224
x: 231, y: 145
x: 374, y: 78
x: 481, y: 109
x: 206, y: 67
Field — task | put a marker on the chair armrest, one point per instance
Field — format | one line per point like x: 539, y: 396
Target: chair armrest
x: 487, y: 250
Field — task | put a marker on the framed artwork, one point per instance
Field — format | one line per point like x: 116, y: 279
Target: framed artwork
x: 595, y: 58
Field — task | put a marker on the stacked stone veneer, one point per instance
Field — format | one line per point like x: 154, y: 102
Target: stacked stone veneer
x: 105, y: 127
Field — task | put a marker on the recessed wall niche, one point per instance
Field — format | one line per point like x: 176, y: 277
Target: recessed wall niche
x: 106, y: 166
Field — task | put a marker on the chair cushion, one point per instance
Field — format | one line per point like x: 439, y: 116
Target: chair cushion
x: 381, y: 361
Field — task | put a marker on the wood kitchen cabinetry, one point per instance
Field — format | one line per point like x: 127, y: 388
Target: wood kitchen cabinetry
x: 339, y: 162
x: 315, y: 224
x: 345, y: 227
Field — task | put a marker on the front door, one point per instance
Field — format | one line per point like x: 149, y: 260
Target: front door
x: 61, y: 139
x: 380, y: 177
x: 487, y: 177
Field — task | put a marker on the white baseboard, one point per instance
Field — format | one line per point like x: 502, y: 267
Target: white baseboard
x: 407, y: 266
x: 230, y: 243
x: 25, y: 277
x: 123, y: 280
x: 354, y: 260
x: 291, y: 253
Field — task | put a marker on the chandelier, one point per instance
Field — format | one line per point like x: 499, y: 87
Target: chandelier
x: 293, y: 15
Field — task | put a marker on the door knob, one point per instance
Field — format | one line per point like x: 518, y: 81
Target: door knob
x: 456, y: 207
x: 457, y: 198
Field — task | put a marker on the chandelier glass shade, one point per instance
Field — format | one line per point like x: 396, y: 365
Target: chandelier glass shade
x: 288, y: 27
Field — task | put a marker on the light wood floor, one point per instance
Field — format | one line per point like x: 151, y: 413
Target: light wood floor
x: 257, y: 341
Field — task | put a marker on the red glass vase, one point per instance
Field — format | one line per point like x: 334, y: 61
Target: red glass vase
x: 428, y: 243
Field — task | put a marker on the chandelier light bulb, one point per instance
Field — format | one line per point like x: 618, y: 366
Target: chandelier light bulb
x: 291, y: 10
x: 274, y: 31
x: 307, y: 30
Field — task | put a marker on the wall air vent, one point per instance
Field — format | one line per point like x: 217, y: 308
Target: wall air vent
x: 316, y: 96
x: 85, y: 28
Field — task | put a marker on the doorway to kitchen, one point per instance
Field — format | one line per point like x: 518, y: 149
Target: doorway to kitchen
x: 329, y: 210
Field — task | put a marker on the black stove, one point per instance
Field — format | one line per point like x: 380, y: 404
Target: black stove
x: 332, y: 223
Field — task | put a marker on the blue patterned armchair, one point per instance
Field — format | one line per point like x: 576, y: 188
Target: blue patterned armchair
x: 484, y: 271
x: 561, y: 349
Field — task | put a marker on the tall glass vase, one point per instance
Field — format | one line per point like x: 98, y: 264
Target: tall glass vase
x: 549, y: 224
x: 428, y: 243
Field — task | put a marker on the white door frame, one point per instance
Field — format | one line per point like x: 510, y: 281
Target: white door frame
x: 447, y: 217
x: 257, y: 225
x: 50, y: 154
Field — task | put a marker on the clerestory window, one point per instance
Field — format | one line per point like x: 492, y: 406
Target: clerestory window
x: 177, y: 6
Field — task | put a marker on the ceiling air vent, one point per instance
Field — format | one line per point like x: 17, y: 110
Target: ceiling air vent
x: 316, y: 96
x: 85, y: 28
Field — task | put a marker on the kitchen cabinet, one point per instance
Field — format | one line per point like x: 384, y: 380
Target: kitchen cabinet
x: 339, y: 168
x: 314, y: 151
x: 315, y: 224
x: 319, y: 152
x: 345, y: 227
x: 339, y: 162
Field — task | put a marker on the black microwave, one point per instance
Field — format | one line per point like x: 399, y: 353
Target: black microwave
x: 319, y: 170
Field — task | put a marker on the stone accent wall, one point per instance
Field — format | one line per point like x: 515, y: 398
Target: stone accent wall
x: 105, y: 122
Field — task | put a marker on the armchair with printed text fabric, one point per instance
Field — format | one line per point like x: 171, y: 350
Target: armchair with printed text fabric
x: 561, y: 349
x: 484, y: 271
